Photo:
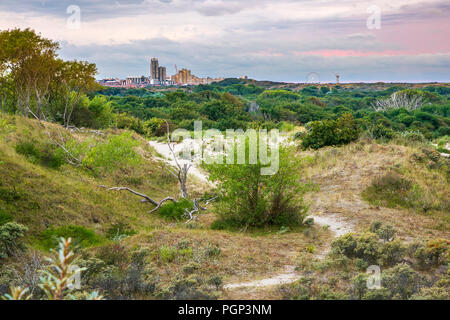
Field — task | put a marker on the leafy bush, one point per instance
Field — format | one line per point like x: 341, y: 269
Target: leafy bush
x: 345, y: 245
x: 117, y: 151
x: 391, y: 253
x: 123, y: 121
x: 250, y: 199
x: 126, y: 280
x: 175, y: 210
x: 433, y: 254
x: 380, y: 131
x: 45, y: 154
x: 81, y: 236
x: 211, y: 250
x: 11, y: 235
x: 331, y: 132
x: 367, y: 247
x: 400, y: 280
x: 385, y: 232
x: 156, y: 127
x: 364, y: 246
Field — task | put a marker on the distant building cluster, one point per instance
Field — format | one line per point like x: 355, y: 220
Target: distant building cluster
x: 158, y: 77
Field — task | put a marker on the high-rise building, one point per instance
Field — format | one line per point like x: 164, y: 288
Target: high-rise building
x: 154, y: 69
x: 162, y: 75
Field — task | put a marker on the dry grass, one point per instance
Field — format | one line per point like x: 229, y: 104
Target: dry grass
x: 343, y: 173
x: 72, y: 196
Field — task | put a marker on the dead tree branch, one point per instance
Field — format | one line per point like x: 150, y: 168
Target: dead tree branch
x: 182, y: 170
x: 161, y: 203
x: 197, y: 208
x: 147, y: 198
x: 70, y: 157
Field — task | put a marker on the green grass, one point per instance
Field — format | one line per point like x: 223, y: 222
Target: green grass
x: 36, y: 195
x: 82, y: 237
x: 175, y: 211
x: 5, y: 217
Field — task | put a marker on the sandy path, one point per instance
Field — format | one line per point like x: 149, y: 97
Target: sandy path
x: 163, y: 149
x: 334, y: 223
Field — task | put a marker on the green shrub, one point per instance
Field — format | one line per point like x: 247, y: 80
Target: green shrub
x: 364, y: 246
x: 80, y: 236
x: 191, y: 268
x: 124, y: 121
x: 380, y: 131
x: 167, y: 254
x: 45, y: 154
x: 345, y: 245
x: 216, y: 281
x: 391, y: 253
x: 331, y: 132
x: 156, y: 127
x: 433, y: 254
x: 117, y: 151
x: 367, y: 247
x: 11, y: 235
x: 250, y: 199
x: 400, y: 280
x: 5, y: 217
x: 392, y: 190
x: 175, y: 210
x: 385, y: 232
x: 359, y: 285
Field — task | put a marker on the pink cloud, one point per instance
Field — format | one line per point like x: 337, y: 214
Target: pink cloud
x: 352, y: 53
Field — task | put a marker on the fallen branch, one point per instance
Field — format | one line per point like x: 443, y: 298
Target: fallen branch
x: 161, y: 203
x: 190, y: 214
x: 70, y: 157
x: 147, y: 198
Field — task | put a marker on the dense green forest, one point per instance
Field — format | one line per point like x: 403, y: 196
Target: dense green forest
x: 236, y: 105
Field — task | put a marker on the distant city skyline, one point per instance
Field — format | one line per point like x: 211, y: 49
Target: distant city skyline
x: 285, y: 40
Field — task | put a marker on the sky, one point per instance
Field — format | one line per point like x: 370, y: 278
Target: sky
x: 282, y: 40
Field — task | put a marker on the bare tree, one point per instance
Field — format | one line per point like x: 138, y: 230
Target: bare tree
x: 181, y: 171
x: 399, y: 100
x: 27, y: 275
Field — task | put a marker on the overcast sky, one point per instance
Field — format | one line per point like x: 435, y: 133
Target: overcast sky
x: 282, y: 40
